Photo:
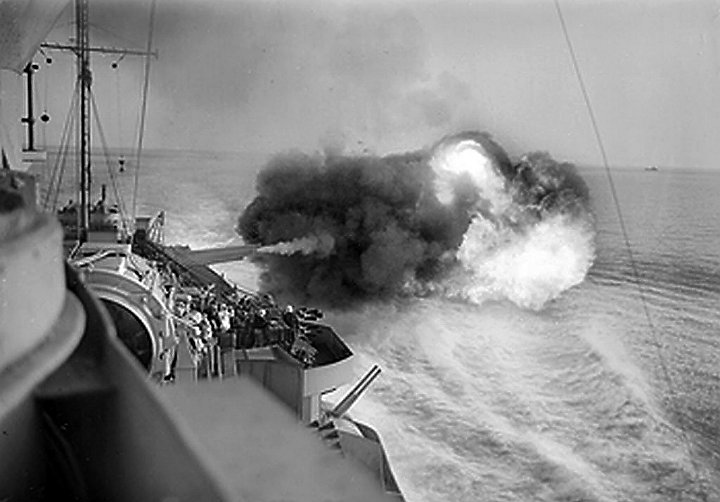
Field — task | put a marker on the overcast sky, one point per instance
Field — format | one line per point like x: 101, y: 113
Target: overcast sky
x: 392, y: 76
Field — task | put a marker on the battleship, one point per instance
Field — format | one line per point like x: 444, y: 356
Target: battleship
x: 130, y: 369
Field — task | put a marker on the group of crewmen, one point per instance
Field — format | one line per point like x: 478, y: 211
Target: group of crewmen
x: 214, y: 326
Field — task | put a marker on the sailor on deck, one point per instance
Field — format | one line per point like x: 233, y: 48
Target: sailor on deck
x: 259, y: 327
x: 290, y: 319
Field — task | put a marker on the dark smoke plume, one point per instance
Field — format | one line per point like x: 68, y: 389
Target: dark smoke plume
x: 388, y: 226
x: 542, y: 184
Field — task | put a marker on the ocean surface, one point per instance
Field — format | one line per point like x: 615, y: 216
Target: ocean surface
x: 608, y: 392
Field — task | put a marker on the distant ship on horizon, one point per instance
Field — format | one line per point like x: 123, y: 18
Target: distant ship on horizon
x: 652, y: 168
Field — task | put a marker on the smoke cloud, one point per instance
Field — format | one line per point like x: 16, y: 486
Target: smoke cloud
x: 459, y: 218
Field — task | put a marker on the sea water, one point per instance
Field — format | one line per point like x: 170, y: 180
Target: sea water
x: 609, y: 392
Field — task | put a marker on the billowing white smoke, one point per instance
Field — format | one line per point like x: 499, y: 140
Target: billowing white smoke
x: 530, y: 267
x: 528, y: 261
x: 321, y: 244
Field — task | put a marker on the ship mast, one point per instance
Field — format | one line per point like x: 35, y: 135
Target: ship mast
x: 82, y: 50
x: 84, y: 81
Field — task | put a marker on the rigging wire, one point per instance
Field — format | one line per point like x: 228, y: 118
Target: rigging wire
x: 106, y: 151
x: 42, y: 117
x: 146, y: 83
x: 118, y: 104
x: 43, y: 140
x: 631, y: 255
x: 62, y: 158
x: 56, y: 177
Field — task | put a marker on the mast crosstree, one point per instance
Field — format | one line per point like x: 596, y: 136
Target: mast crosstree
x: 82, y: 51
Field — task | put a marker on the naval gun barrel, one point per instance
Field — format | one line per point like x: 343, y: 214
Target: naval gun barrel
x: 351, y: 397
x: 223, y: 254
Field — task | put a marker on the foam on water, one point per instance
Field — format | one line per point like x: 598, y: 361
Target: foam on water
x: 495, y: 390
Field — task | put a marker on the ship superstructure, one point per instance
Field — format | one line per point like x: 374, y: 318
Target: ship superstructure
x: 94, y: 408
